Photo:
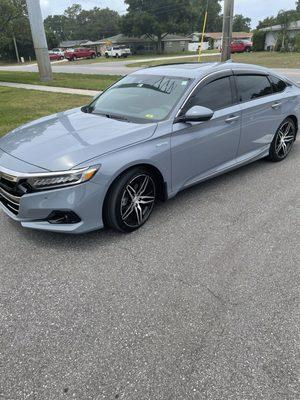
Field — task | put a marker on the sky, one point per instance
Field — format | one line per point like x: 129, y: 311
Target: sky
x: 255, y: 9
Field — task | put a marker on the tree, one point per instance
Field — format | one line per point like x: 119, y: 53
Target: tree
x: 241, y: 23
x: 76, y: 23
x: 284, y: 19
x: 55, y: 26
x: 265, y: 23
x: 11, y: 12
x: 298, y: 6
x: 97, y: 23
x: 158, y: 18
x: 73, y: 11
x: 14, y: 24
x: 214, y: 19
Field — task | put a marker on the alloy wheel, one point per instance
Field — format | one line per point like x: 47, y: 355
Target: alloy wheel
x: 137, y: 200
x: 285, y: 139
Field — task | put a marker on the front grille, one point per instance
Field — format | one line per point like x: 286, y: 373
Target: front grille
x: 11, y: 202
x: 11, y: 191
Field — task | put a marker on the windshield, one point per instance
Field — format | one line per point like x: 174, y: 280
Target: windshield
x: 141, y: 98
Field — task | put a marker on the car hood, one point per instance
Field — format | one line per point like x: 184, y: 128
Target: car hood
x: 61, y: 141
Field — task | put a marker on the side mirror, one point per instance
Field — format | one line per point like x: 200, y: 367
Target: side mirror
x: 197, y: 114
x: 85, y: 109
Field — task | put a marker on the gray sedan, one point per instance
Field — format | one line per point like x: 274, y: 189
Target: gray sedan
x: 150, y: 135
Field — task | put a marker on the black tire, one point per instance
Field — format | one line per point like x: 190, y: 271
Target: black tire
x: 74, y: 58
x: 247, y: 49
x: 93, y: 56
x: 106, y: 55
x: 283, y: 140
x: 120, y: 201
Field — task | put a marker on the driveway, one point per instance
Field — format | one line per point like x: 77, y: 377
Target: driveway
x: 201, y: 303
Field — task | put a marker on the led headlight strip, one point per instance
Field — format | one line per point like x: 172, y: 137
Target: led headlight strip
x: 61, y: 179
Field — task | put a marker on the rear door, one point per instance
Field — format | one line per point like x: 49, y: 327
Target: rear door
x: 262, y: 112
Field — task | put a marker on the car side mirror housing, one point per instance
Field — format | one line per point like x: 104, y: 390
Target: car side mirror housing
x: 197, y: 114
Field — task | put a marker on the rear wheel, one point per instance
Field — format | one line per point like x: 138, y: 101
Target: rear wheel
x: 130, y: 201
x: 283, y: 140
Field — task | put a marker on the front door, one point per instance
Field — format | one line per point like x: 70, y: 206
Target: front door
x: 200, y: 149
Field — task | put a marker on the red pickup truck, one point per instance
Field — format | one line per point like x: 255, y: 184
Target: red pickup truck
x: 81, y: 52
x: 241, y: 46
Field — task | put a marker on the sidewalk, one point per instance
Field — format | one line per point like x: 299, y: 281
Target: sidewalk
x: 54, y: 89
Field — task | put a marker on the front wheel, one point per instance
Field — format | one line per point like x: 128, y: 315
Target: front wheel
x: 130, y: 201
x: 283, y: 140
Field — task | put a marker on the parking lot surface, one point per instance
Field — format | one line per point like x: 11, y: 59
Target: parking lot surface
x: 203, y: 302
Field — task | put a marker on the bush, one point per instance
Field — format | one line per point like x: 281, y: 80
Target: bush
x: 259, y: 40
x: 296, y: 40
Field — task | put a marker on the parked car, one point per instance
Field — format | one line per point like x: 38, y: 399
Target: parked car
x: 241, y: 46
x: 58, y: 51
x: 153, y: 133
x: 55, y: 56
x: 81, y: 52
x: 117, y: 51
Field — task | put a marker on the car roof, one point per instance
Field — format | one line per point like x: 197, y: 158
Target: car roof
x: 198, y: 70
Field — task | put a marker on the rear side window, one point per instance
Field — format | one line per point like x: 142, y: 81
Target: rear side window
x: 215, y: 95
x: 278, y: 84
x: 252, y: 87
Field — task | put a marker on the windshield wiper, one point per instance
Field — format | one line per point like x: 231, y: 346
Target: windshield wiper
x: 120, y: 117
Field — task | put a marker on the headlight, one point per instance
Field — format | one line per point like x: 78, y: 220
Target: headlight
x: 60, y: 179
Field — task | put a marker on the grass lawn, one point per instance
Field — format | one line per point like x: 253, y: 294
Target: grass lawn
x: 18, y: 106
x: 264, y: 58
x: 76, y: 81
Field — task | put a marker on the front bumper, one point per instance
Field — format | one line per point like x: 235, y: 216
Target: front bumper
x: 85, y: 199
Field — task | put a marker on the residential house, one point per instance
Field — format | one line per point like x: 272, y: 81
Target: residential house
x: 272, y: 33
x: 69, y: 44
x: 214, y: 39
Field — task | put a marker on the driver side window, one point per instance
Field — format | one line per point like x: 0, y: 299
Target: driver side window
x: 215, y: 95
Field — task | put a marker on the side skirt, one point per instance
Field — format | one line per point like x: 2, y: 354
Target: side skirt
x: 226, y: 167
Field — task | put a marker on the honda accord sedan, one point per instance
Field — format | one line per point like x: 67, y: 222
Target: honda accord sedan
x: 148, y: 136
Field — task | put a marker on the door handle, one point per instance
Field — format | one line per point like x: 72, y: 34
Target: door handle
x: 276, y: 105
x: 232, y: 118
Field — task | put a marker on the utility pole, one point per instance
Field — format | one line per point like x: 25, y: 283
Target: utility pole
x: 227, y: 29
x: 39, y: 39
x: 16, y: 49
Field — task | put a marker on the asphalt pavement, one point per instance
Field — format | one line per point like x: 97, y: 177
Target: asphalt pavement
x: 201, y: 303
x: 120, y: 67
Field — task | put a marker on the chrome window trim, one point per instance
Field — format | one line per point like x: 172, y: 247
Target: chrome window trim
x: 199, y: 83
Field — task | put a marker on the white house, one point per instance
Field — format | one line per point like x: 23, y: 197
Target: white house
x: 215, y: 39
x: 272, y: 33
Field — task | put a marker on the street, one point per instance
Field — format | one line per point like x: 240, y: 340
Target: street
x: 200, y: 303
x: 120, y: 67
